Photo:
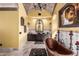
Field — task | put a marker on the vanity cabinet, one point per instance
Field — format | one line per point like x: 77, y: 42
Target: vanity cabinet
x: 35, y: 37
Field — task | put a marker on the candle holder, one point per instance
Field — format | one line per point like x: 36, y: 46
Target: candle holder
x: 77, y: 45
x: 71, y: 34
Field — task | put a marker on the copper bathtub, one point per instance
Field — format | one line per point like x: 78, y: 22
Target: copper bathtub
x: 54, y: 48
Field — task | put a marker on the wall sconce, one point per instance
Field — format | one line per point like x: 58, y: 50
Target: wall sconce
x: 39, y: 14
x: 28, y: 23
x: 50, y: 23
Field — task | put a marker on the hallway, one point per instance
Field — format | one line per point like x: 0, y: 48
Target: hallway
x: 24, y: 28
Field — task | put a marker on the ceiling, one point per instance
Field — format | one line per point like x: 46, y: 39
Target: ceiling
x: 29, y: 6
x: 39, y: 6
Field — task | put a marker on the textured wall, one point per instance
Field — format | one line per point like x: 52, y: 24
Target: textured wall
x: 9, y: 29
x: 23, y: 35
x: 65, y: 38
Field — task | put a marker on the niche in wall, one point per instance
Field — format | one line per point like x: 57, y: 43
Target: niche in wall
x: 39, y: 26
x: 24, y: 28
x: 23, y: 24
x: 22, y: 21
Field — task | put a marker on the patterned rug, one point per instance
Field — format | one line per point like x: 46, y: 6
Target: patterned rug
x: 38, y: 52
x: 39, y: 42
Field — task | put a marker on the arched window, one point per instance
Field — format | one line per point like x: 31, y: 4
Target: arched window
x: 39, y: 26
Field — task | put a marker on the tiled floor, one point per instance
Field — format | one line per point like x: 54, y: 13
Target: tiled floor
x: 25, y: 52
x: 31, y: 45
x: 27, y: 48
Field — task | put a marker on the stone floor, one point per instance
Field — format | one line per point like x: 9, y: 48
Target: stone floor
x: 27, y: 48
x: 25, y: 52
x: 31, y: 45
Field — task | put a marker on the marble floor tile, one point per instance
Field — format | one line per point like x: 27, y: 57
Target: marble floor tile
x: 26, y: 49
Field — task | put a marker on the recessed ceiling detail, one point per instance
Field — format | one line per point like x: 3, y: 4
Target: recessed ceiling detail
x: 39, y: 6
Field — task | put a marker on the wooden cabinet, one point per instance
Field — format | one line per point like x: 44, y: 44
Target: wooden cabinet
x: 35, y: 37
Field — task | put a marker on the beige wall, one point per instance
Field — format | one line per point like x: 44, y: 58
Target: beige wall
x: 45, y: 22
x: 9, y: 29
x: 34, y: 13
x: 55, y: 19
x: 33, y: 17
x: 22, y: 36
x: 22, y: 13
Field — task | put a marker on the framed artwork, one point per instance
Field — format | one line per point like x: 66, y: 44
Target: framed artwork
x: 69, y: 15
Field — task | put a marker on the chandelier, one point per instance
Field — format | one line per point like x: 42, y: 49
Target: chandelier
x: 39, y: 6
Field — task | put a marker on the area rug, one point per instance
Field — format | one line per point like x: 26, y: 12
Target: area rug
x: 39, y: 42
x: 38, y: 52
